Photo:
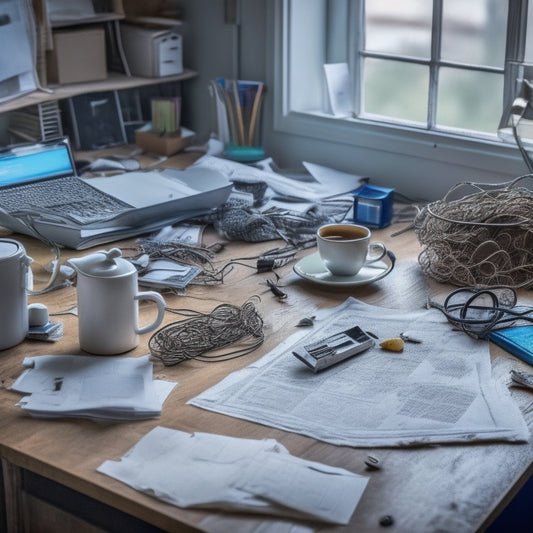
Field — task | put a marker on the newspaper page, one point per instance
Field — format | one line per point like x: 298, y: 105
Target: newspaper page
x: 440, y: 390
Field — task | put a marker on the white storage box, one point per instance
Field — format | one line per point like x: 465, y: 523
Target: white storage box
x: 152, y: 53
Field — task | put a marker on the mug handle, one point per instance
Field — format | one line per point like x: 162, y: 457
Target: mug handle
x: 158, y: 299
x: 376, y: 251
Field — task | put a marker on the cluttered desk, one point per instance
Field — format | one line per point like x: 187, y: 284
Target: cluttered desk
x: 419, y: 428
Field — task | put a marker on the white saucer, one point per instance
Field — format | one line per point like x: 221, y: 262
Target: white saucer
x: 312, y: 268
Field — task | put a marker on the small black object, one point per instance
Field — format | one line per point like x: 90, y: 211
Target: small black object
x: 386, y: 520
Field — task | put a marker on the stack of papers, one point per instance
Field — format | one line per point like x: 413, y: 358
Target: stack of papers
x: 320, y: 182
x: 168, y: 274
x: 214, y: 471
x: 91, y: 387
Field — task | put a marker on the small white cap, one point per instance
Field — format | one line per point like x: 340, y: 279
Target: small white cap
x: 37, y: 315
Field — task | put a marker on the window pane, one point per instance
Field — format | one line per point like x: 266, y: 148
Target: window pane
x: 529, y: 38
x: 399, y: 27
x: 474, y: 31
x: 396, y: 89
x: 469, y: 100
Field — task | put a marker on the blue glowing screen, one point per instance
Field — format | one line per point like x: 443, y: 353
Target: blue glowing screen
x: 31, y: 163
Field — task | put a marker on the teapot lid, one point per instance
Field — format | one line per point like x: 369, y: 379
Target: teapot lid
x: 103, y: 264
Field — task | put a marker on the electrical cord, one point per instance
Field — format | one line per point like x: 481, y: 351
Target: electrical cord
x: 478, y: 312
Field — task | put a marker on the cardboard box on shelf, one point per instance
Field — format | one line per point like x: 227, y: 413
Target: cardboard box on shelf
x: 168, y: 144
x: 78, y: 56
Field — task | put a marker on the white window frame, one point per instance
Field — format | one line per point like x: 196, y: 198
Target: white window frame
x: 481, y: 154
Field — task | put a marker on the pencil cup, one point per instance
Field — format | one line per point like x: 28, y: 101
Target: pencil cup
x: 237, y: 108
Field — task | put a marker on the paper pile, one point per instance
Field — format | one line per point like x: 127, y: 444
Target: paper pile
x: 214, y: 471
x: 91, y: 387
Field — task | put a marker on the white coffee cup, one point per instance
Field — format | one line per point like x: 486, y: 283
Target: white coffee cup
x: 346, y: 248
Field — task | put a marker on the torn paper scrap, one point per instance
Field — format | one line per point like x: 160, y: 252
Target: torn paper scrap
x: 204, y: 470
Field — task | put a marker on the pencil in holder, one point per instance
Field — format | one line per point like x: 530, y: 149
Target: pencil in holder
x: 237, y: 107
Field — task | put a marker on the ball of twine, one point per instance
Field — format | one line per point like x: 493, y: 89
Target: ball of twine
x: 227, y: 332
x: 483, y: 239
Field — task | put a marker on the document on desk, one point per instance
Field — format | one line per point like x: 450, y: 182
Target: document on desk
x: 438, y: 391
x: 320, y: 183
x: 97, y: 387
x: 214, y: 471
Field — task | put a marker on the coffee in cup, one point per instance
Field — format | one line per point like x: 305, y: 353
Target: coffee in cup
x: 346, y: 248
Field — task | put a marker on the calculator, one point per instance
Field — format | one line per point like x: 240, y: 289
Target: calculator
x: 328, y: 351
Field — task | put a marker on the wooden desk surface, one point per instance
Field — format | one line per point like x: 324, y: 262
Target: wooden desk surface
x: 455, y: 488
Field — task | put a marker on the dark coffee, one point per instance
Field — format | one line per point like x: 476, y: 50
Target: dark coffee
x: 343, y: 233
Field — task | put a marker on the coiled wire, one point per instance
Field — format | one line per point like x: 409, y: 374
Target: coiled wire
x: 207, y: 337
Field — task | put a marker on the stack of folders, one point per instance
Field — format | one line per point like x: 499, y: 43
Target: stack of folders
x: 95, y: 387
x: 517, y: 341
x: 39, y: 122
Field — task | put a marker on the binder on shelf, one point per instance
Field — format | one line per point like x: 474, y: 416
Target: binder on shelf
x: 40, y: 122
x: 18, y: 73
x: 152, y: 53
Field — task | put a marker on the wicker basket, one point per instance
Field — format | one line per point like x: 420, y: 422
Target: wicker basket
x: 482, y: 238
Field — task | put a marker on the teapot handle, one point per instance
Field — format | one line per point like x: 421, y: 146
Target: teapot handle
x: 160, y: 302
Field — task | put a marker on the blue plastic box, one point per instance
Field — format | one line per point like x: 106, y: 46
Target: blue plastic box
x: 373, y: 206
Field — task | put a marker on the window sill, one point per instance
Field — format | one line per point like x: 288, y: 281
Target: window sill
x: 492, y: 155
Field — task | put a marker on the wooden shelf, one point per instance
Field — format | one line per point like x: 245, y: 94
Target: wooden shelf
x: 114, y: 81
x: 100, y: 17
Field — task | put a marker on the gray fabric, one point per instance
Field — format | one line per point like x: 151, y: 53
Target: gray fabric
x: 234, y: 221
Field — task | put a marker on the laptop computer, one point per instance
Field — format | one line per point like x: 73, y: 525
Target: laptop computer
x: 39, y: 185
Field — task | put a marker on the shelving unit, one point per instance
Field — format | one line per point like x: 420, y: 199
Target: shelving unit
x: 114, y: 81
x: 109, y: 15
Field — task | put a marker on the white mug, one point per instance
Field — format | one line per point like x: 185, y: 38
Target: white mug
x: 108, y: 303
x: 346, y: 248
x: 14, y: 275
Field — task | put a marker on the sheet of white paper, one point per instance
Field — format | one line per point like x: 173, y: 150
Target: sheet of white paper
x: 328, y: 491
x: 91, y: 386
x: 438, y: 391
x: 339, y: 88
x: 215, y: 471
x: 331, y: 184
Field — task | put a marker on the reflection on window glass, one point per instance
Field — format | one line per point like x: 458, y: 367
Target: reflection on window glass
x: 478, y: 107
x: 396, y: 89
x: 474, y: 31
x: 399, y: 27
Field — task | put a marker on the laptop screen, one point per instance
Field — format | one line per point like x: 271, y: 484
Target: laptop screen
x: 32, y: 162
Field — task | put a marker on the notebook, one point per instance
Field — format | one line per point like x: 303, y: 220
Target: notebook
x: 516, y: 340
x: 39, y: 188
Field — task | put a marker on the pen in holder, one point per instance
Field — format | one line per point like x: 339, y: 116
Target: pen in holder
x: 237, y: 107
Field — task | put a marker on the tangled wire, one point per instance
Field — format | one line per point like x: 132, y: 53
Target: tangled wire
x: 484, y: 239
x: 207, y: 337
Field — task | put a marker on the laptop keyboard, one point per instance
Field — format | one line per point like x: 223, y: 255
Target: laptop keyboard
x: 61, y: 196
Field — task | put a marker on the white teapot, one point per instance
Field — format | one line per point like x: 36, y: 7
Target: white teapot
x: 108, y: 297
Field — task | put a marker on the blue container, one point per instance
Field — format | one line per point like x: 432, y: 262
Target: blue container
x: 373, y: 206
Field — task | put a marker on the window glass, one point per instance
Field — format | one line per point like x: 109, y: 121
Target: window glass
x: 396, y: 89
x: 399, y: 27
x: 529, y: 37
x: 474, y: 31
x: 479, y: 106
